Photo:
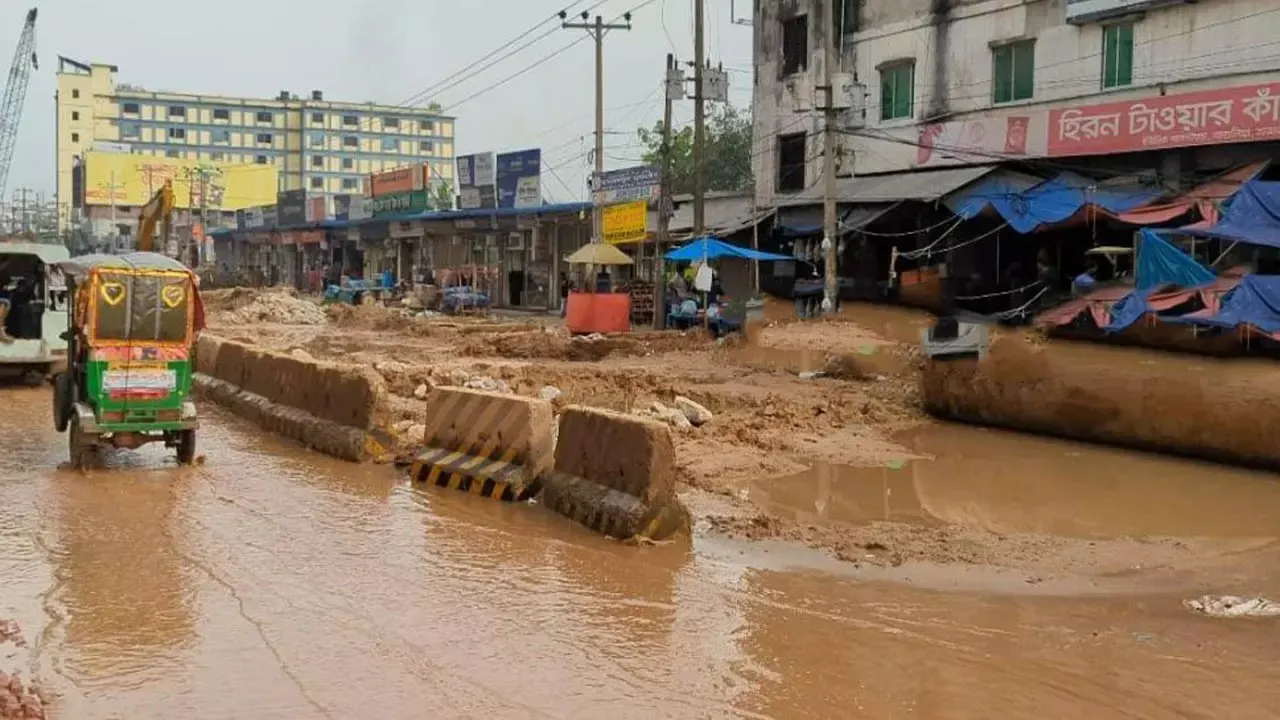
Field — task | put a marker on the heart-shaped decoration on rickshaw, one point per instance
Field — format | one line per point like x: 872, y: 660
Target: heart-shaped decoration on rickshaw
x: 173, y: 295
x: 112, y: 293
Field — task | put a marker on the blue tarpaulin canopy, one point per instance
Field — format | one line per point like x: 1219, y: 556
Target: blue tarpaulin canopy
x: 1027, y: 209
x: 1253, y: 217
x: 1254, y: 302
x: 1162, y: 263
x: 710, y: 248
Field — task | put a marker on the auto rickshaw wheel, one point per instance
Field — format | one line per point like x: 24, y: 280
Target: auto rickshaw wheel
x: 63, y: 397
x: 186, y: 447
x: 81, y: 447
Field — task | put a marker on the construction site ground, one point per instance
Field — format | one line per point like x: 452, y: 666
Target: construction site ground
x: 813, y: 439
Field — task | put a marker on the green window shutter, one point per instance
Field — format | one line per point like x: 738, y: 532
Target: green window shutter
x: 1124, y: 66
x: 1002, y: 74
x: 1117, y: 56
x: 886, y: 94
x: 897, y: 91
x: 906, y: 91
x: 1024, y: 70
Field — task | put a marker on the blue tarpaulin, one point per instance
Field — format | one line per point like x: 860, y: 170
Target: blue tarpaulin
x: 1129, y: 309
x: 1162, y: 263
x: 1026, y: 209
x: 1253, y: 217
x: 1255, y: 302
x: 710, y: 248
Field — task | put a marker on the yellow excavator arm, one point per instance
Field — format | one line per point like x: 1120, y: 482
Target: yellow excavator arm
x: 157, y: 212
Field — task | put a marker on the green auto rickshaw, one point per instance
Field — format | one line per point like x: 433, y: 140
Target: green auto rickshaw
x: 131, y: 334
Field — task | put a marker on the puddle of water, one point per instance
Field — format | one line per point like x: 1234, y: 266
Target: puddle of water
x: 1010, y: 483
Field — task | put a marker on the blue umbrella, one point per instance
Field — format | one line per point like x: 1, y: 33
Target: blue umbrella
x: 712, y: 248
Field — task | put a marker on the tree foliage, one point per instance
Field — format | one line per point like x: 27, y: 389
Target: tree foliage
x: 728, y: 137
x: 441, y: 197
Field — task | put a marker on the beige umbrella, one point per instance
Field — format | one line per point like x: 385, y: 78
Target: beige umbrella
x: 599, y: 254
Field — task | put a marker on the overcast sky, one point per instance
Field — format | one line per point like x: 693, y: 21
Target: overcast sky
x: 390, y: 51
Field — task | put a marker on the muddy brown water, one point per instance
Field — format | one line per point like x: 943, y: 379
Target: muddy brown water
x: 273, y: 583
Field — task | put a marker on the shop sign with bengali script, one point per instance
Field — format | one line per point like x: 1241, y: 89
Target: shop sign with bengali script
x: 1211, y: 117
x: 625, y: 222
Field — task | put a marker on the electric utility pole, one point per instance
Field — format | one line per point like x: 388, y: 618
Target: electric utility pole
x: 673, y: 81
x: 597, y: 30
x: 699, y: 126
x: 830, y: 231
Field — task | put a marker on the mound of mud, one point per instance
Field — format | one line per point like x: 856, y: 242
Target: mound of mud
x: 280, y: 307
x: 558, y: 345
x: 370, y: 317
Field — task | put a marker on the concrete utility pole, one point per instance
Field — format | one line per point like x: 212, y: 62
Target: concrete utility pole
x: 664, y: 195
x: 699, y: 126
x: 597, y: 31
x: 830, y: 232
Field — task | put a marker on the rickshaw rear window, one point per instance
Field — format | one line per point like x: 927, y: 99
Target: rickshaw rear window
x: 142, y: 308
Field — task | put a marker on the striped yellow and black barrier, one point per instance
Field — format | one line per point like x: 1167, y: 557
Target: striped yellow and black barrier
x: 495, y: 446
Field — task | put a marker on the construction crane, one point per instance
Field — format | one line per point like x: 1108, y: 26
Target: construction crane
x: 15, y: 95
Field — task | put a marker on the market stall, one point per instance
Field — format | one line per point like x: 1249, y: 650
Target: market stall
x: 595, y: 307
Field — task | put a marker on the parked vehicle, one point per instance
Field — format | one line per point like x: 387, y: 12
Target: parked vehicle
x: 33, y: 312
x: 133, y: 321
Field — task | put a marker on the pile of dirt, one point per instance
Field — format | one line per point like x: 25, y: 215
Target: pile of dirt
x: 371, y: 317
x: 281, y: 307
x: 549, y: 344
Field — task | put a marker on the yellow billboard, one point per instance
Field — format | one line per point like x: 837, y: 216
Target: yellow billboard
x: 625, y: 222
x: 124, y: 179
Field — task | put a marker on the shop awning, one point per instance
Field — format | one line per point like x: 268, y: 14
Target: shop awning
x: 806, y: 220
x: 1253, y: 218
x: 919, y: 186
x: 1051, y: 202
x: 1204, y: 198
x: 712, y: 248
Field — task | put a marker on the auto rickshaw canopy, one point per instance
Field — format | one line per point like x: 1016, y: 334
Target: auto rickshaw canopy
x: 136, y: 298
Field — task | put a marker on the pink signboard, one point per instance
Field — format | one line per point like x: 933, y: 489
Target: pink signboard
x: 1211, y: 117
x: 977, y: 139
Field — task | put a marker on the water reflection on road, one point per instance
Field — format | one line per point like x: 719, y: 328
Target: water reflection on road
x: 274, y: 583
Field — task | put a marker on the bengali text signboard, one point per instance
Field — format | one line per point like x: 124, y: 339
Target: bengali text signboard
x: 625, y: 222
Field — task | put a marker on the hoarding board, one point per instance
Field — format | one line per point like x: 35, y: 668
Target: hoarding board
x: 119, y: 179
x: 625, y: 222
x: 635, y: 183
x: 519, y: 179
x: 400, y: 180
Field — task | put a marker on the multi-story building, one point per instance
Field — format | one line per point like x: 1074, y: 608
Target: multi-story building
x: 321, y: 146
x: 1167, y: 88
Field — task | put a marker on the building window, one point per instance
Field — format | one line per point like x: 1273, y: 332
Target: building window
x: 426, y: 146
x: 349, y: 183
x: 317, y: 183
x: 348, y: 163
x: 171, y: 153
x: 221, y: 114
x: 317, y: 161
x: 75, y: 115
x: 261, y: 160
x: 390, y: 145
x: 130, y: 130
x: 391, y: 123
x: 75, y: 137
x: 350, y: 121
x: 177, y: 134
x: 264, y: 117
x: 317, y: 118
x: 177, y: 111
x: 217, y: 157
x: 264, y: 138
x: 1013, y: 71
x: 350, y: 141
x: 130, y: 109
x: 222, y: 137
x: 791, y: 162
x: 428, y: 126
x: 897, y: 90
x: 845, y: 15
x: 1117, y: 55
x: 315, y: 140
x: 795, y: 45
x: 75, y: 94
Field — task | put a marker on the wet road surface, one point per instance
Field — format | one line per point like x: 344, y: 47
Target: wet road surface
x: 274, y: 583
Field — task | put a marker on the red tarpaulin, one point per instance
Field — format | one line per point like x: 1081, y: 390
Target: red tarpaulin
x: 1204, y: 198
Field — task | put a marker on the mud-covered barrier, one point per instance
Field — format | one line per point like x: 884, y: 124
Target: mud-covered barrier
x: 1224, y: 410
x: 330, y: 407
x: 615, y: 474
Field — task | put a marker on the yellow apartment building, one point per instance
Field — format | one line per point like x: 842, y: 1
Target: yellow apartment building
x: 323, y: 146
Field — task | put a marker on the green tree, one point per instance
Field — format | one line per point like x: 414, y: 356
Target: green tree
x: 441, y: 197
x: 728, y: 136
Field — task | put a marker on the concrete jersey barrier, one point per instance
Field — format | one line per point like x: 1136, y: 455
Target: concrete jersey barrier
x: 496, y: 446
x: 616, y: 475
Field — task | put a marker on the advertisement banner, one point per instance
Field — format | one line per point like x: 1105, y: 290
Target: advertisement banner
x: 270, y: 217
x: 974, y: 140
x: 400, y: 180
x: 291, y: 207
x: 1249, y: 113
x: 625, y: 223
x: 120, y: 179
x: 476, y: 182
x: 398, y: 203
x: 636, y: 183
x: 317, y: 209
x: 253, y: 218
x: 519, y: 179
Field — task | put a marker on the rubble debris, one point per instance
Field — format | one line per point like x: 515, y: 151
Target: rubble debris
x: 697, y: 414
x: 549, y: 393
x: 280, y: 307
x: 421, y: 391
x: 1231, y: 606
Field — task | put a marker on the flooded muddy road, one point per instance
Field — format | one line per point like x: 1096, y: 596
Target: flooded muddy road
x: 273, y: 583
